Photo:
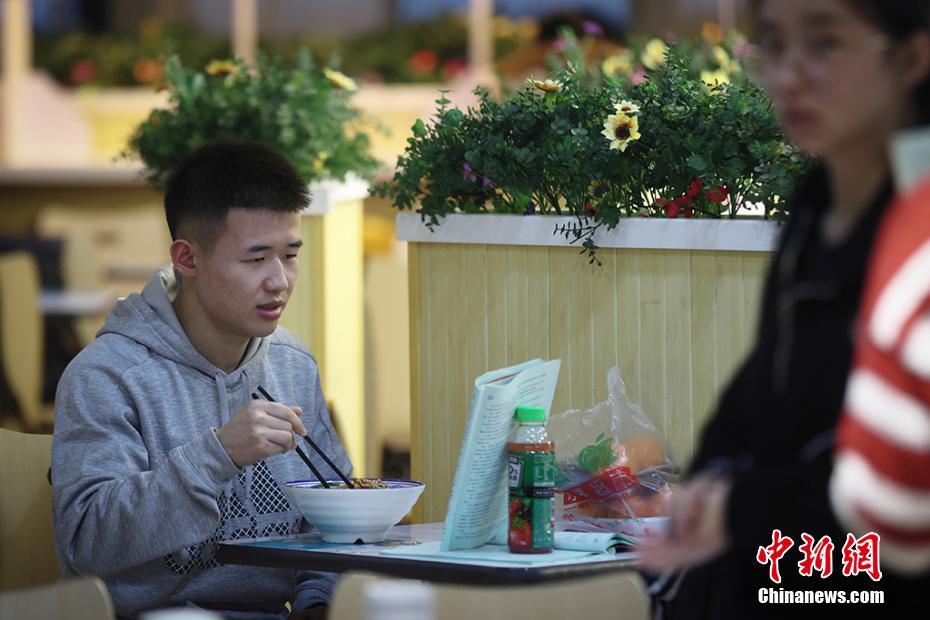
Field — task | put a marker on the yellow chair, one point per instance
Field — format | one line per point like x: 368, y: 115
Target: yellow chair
x: 77, y: 599
x: 22, y: 339
x: 27, y: 549
x: 620, y: 596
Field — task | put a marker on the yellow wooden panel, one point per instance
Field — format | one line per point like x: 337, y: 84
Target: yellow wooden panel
x: 653, y: 331
x: 560, y: 273
x: 678, y: 415
x: 704, y: 382
x: 580, y: 331
x: 537, y: 303
x: 460, y: 331
x: 495, y: 312
x: 628, y: 320
x: 473, y: 270
x: 418, y: 369
x: 443, y: 293
x: 604, y: 292
x: 343, y: 333
x: 755, y: 268
x: 519, y: 320
x: 729, y: 317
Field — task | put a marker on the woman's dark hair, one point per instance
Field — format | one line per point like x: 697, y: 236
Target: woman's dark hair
x: 898, y: 19
x: 229, y: 174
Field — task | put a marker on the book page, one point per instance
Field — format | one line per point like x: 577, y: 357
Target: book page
x: 591, y: 541
x: 477, y: 511
x: 489, y: 555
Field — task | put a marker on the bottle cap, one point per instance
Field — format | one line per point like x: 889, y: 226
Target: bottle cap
x: 531, y: 414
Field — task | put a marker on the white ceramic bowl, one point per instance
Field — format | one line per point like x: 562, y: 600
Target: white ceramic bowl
x: 349, y: 515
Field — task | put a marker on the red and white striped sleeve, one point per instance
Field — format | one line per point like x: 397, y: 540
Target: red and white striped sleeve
x: 881, y: 478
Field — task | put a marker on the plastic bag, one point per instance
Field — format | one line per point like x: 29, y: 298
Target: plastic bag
x: 615, y: 472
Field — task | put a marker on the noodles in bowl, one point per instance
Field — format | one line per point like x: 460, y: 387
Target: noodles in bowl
x: 364, y: 513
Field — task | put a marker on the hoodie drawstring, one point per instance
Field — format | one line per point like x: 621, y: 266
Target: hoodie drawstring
x: 221, y: 392
x: 247, y: 383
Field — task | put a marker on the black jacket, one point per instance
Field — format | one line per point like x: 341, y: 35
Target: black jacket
x: 773, y: 427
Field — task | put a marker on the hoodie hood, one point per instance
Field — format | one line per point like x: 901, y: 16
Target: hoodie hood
x: 143, y: 489
x: 149, y: 319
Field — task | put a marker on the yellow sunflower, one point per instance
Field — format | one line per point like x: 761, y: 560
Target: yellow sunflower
x: 339, y: 79
x: 621, y: 129
x: 715, y: 78
x: 221, y: 67
x: 654, y: 54
x: 618, y: 64
x: 726, y: 64
x: 626, y: 107
x: 548, y: 86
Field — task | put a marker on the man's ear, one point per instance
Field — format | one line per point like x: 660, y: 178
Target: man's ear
x: 184, y: 256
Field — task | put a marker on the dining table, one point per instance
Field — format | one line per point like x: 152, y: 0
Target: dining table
x: 396, y: 557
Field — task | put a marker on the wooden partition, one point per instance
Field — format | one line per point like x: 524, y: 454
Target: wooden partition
x: 675, y: 321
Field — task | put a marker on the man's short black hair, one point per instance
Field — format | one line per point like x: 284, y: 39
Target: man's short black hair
x: 229, y: 174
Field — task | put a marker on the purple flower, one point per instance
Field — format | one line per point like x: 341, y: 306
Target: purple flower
x: 468, y: 174
x: 592, y: 28
x: 530, y: 208
x: 671, y: 38
x: 487, y: 182
x: 742, y: 48
x: 559, y: 45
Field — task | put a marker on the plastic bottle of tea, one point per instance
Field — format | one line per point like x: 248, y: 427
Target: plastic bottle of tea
x: 531, y: 481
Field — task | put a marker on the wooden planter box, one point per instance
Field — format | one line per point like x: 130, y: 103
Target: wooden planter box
x: 674, y: 305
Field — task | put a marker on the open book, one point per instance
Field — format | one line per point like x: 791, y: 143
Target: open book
x: 477, y: 512
x: 596, y: 542
x: 569, y: 547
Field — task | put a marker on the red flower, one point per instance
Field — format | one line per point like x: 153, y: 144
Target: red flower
x: 589, y: 209
x: 453, y: 68
x: 695, y: 188
x: 82, y: 71
x: 685, y: 200
x: 672, y: 208
x: 689, y: 212
x: 424, y: 61
x: 718, y: 194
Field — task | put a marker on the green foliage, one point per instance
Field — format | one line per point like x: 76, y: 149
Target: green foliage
x: 121, y: 59
x: 704, y: 151
x: 389, y: 55
x: 296, y: 110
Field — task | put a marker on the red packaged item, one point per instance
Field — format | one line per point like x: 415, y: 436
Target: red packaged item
x: 614, y: 470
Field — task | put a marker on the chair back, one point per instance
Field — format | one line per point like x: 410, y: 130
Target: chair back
x: 27, y: 548
x: 22, y: 339
x: 619, y: 596
x: 85, y: 598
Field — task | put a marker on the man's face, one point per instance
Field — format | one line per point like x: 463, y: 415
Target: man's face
x: 244, y: 281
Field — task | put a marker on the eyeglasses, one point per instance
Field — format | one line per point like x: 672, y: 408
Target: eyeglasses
x: 815, y: 58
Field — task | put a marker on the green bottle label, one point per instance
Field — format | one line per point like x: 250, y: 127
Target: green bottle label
x: 531, y: 469
x: 530, y: 524
x: 531, y: 479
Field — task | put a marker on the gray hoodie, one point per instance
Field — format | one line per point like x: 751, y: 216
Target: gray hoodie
x: 142, y: 488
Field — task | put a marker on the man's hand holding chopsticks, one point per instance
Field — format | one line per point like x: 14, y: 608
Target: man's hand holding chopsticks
x: 260, y: 429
